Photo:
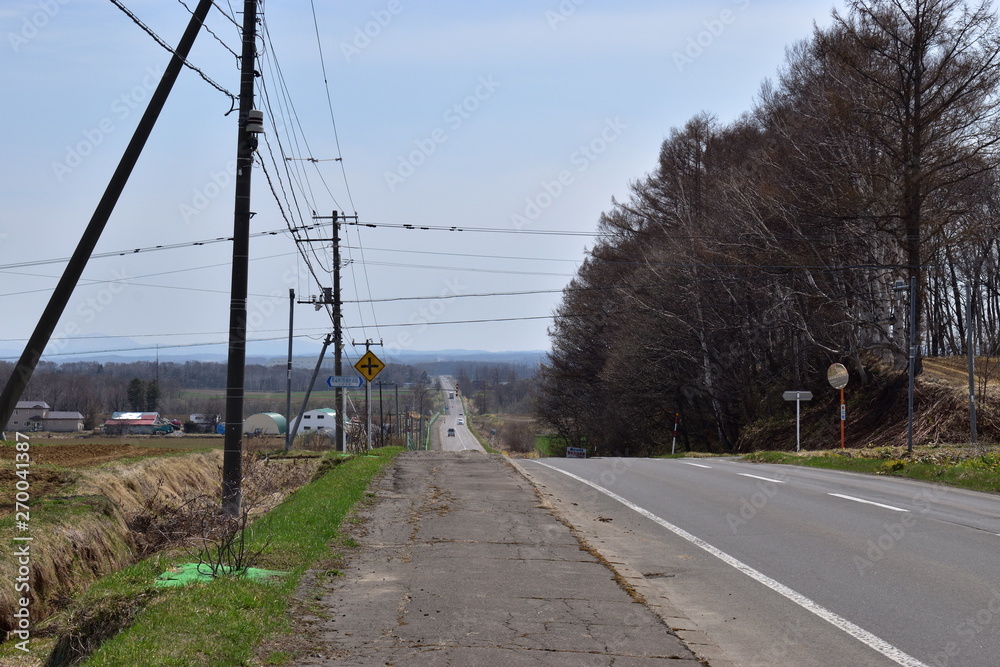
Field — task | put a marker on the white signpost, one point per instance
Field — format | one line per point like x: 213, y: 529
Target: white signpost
x: 798, y: 397
x: 345, y: 381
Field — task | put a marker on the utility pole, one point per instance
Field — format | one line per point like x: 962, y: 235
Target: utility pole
x: 289, y: 436
x: 970, y: 348
x: 25, y: 367
x: 332, y: 297
x: 381, y: 418
x: 249, y: 126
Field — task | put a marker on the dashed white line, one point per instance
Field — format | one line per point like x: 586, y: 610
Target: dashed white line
x: 869, y: 502
x: 766, y: 479
x: 859, y: 633
x: 688, y: 463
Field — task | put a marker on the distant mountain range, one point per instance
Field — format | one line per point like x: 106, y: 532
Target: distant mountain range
x: 125, y: 350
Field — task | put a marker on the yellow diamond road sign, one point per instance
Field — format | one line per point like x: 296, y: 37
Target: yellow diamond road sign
x: 369, y: 366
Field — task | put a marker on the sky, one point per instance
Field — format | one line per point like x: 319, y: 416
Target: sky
x: 516, y: 122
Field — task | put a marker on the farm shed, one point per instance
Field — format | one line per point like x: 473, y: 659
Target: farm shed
x: 63, y: 422
x: 132, y: 423
x: 314, y: 420
x: 269, y: 423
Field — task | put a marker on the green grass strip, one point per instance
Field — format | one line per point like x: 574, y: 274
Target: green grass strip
x: 981, y: 473
x: 219, y: 623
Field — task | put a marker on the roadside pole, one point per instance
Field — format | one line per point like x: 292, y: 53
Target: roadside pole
x: 673, y: 443
x: 369, y: 366
x: 798, y: 397
x: 837, y: 376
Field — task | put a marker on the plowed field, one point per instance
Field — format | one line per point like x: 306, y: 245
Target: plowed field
x: 82, y: 456
x: 45, y: 479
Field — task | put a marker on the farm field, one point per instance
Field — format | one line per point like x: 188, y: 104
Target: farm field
x: 83, y: 455
x: 53, y: 461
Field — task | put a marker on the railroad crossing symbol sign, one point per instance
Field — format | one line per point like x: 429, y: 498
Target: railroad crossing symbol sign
x: 369, y: 365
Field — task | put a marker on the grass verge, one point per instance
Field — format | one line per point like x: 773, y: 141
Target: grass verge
x: 966, y: 470
x: 219, y: 623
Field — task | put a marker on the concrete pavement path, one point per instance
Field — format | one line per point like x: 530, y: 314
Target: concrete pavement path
x: 460, y: 563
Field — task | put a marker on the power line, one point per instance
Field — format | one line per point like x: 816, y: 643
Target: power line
x: 184, y: 61
x: 493, y: 230
x: 300, y: 335
x: 468, y: 254
x: 167, y: 246
x: 210, y: 32
x: 470, y: 269
x: 329, y: 102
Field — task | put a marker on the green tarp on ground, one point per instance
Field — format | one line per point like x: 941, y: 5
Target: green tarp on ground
x: 193, y: 572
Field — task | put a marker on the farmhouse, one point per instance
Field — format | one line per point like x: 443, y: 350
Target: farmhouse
x: 28, y: 416
x: 314, y: 420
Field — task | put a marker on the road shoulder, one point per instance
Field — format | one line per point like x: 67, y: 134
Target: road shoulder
x: 599, y: 535
x: 459, y: 561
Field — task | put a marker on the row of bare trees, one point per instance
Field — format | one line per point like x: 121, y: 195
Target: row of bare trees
x: 759, y: 252
x: 97, y: 390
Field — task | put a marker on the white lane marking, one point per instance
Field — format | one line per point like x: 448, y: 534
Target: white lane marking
x: 869, y: 502
x: 766, y: 479
x: 688, y: 463
x: 859, y: 633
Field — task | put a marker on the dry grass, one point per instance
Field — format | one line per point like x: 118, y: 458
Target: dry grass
x: 955, y: 370
x: 89, y: 540
x: 82, y: 537
x: 129, y: 486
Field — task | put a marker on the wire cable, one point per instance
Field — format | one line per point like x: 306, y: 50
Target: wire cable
x: 329, y: 101
x: 161, y: 42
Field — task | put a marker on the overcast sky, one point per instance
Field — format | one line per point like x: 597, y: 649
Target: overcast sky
x: 521, y: 116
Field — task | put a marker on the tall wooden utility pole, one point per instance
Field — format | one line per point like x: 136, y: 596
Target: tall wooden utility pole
x: 249, y: 127
x: 332, y: 297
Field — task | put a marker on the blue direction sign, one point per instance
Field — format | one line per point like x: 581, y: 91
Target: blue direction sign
x: 345, y: 381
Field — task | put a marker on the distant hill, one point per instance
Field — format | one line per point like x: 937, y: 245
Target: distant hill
x: 436, y: 361
x: 267, y: 353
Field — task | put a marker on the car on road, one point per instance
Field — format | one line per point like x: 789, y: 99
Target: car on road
x: 451, y: 433
x: 461, y: 421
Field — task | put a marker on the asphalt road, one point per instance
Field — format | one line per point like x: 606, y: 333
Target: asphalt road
x: 463, y: 439
x: 781, y: 565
